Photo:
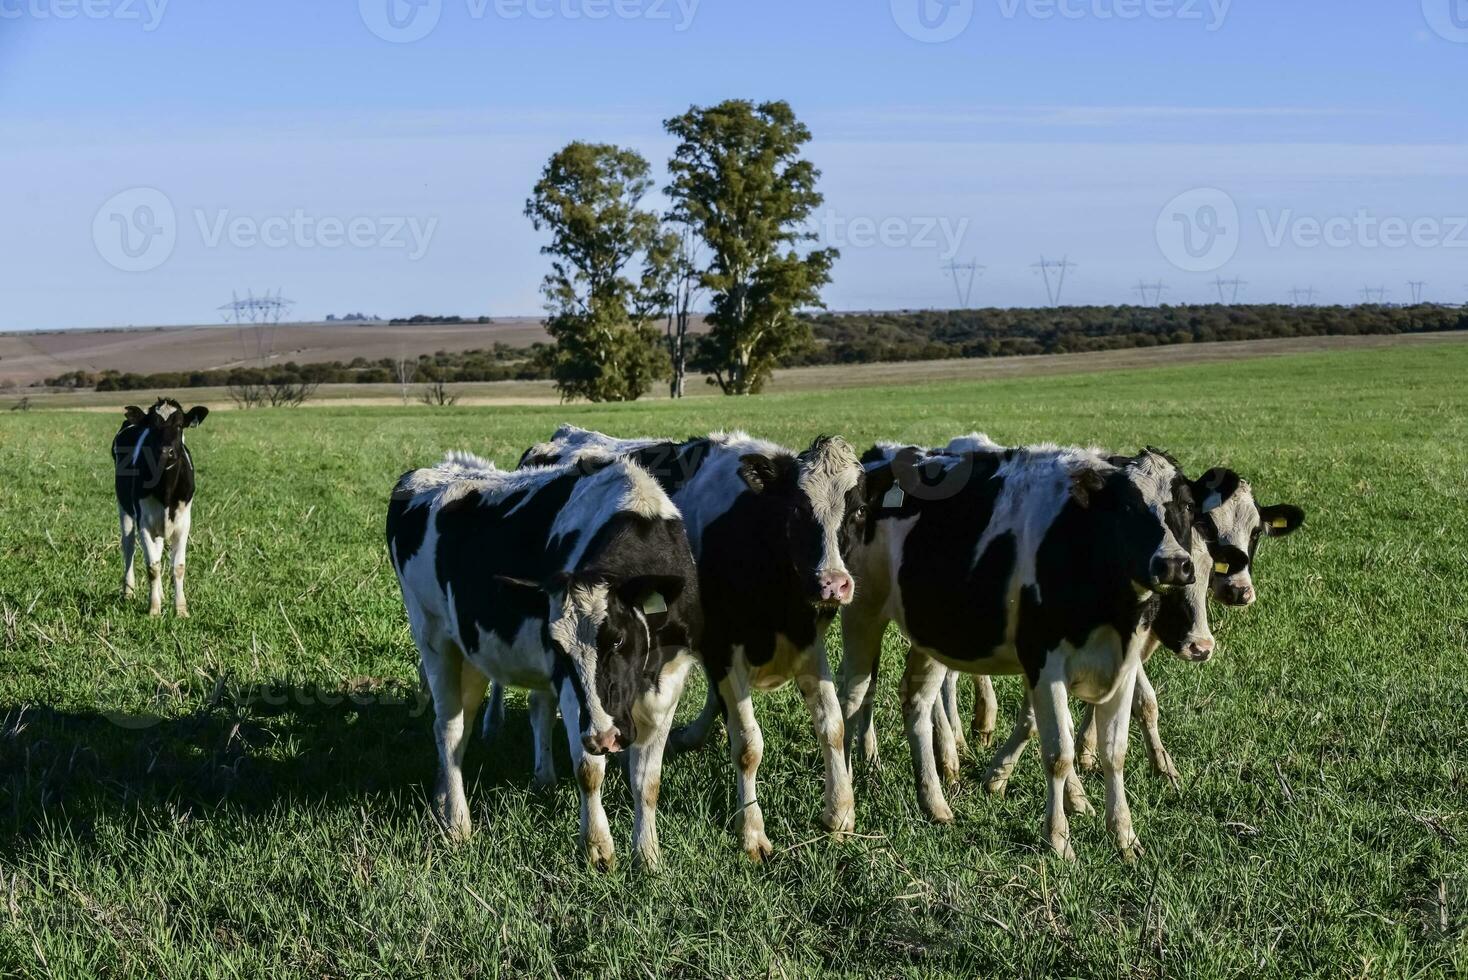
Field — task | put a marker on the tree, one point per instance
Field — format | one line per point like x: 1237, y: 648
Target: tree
x: 685, y: 284
x: 600, y: 302
x: 739, y: 179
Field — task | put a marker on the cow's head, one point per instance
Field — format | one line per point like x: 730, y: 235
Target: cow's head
x: 818, y: 504
x: 1182, y: 616
x: 614, y: 633
x: 159, y: 445
x: 1150, y: 518
x: 1233, y: 524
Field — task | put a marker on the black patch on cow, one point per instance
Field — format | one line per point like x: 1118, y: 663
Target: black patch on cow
x: 406, y: 526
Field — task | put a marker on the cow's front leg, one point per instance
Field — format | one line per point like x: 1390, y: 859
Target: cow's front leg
x: 542, y: 728
x: 921, y: 685
x: 746, y: 748
x: 945, y: 740
x: 950, y: 710
x: 861, y: 652
x: 653, y: 714
x: 178, y: 546
x: 494, y: 713
x: 986, y: 710
x: 1051, y: 703
x: 453, y: 681
x: 591, y: 772
x: 1113, y: 718
x: 1086, y: 757
x: 813, y: 677
x: 153, y: 555
x: 129, y: 527
x: 1144, y: 708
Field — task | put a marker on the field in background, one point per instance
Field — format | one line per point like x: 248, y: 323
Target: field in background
x: 788, y: 380
x: 245, y: 790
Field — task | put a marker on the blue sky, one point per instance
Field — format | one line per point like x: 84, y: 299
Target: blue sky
x: 158, y: 154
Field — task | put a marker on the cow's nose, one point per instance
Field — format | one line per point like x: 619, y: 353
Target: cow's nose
x: 836, y: 587
x: 1172, y: 570
x: 601, y: 743
x: 1199, y: 649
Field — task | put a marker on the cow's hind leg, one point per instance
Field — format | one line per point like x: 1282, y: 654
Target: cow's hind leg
x: 747, y: 748
x: 945, y: 736
x: 129, y: 527
x: 150, y: 525
x: 653, y: 714
x: 494, y: 713
x: 813, y: 677
x: 996, y: 780
x: 986, y: 710
x: 1051, y: 703
x: 921, y: 685
x: 542, y: 729
x: 861, y: 645
x: 1144, y: 709
x: 453, y: 683
x: 695, y: 734
x: 591, y: 773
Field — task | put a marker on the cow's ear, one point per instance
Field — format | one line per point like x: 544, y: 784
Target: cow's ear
x: 1084, y: 484
x: 653, y: 594
x: 1281, y: 519
x: 757, y: 471
x: 1214, y: 488
x: 134, y: 415
x: 195, y: 415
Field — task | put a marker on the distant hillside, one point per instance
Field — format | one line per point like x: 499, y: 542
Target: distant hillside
x: 858, y: 338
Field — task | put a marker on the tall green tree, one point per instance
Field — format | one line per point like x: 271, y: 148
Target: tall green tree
x: 608, y: 278
x: 738, y: 177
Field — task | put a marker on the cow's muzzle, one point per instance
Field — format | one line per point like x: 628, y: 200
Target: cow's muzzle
x: 602, y: 743
x: 1171, y: 571
x: 1235, y: 595
x: 1197, y: 649
x: 836, y: 587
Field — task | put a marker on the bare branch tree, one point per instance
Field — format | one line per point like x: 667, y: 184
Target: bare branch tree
x: 438, y: 395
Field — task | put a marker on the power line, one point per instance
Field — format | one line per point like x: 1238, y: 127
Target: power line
x: 255, y: 319
x: 1054, y: 287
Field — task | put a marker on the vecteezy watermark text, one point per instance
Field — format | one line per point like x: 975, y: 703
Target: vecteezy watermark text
x: 137, y: 230
x: 148, y: 13
x: 936, y: 21
x: 942, y: 234
x: 406, y: 21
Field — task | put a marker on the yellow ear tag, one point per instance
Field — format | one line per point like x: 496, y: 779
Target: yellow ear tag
x: 1281, y: 522
x: 654, y: 604
x: 1221, y: 567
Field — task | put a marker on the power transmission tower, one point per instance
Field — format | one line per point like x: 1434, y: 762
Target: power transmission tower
x: 1228, y: 289
x: 1416, y: 287
x: 1375, y: 295
x: 255, y: 319
x: 1306, y: 294
x: 963, y: 275
x: 1053, y: 271
x: 1151, y: 292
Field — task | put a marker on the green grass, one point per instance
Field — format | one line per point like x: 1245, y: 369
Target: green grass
x: 243, y: 793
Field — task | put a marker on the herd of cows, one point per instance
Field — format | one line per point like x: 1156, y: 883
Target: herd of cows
x: 598, y: 572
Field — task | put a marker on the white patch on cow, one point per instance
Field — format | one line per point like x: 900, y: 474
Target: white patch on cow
x: 576, y: 618
x: 826, y: 477
x: 138, y: 448
x: 974, y: 442
x: 467, y: 461
x: 1152, y: 475
x: 645, y: 497
x: 164, y: 410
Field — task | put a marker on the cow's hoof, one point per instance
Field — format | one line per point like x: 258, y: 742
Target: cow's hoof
x: 1130, y: 850
x: 155, y: 611
x: 995, y: 785
x: 543, y: 783
x: 601, y: 856
x: 1164, y: 768
x: 1062, y: 848
x: 982, y: 737
x: 181, y: 612
x: 1078, y: 804
x: 841, y: 822
x: 1088, y: 761
x: 649, y: 860
x: 939, y: 811
x: 127, y: 594
x: 758, y: 848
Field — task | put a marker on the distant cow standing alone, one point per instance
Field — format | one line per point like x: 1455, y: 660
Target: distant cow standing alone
x: 155, y: 494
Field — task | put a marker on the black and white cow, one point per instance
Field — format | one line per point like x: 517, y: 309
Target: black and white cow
x: 769, y: 528
x: 1041, y: 561
x: 154, y: 480
x: 574, y: 580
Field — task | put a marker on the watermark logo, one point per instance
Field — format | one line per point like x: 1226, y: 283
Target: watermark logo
x: 400, y: 21
x: 1199, y: 230
x: 1210, y: 13
x: 1363, y: 229
x: 933, y: 21
x: 1448, y: 19
x: 148, y: 13
x: 136, y: 230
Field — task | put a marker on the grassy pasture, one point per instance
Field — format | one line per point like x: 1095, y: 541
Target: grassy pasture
x: 243, y: 793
